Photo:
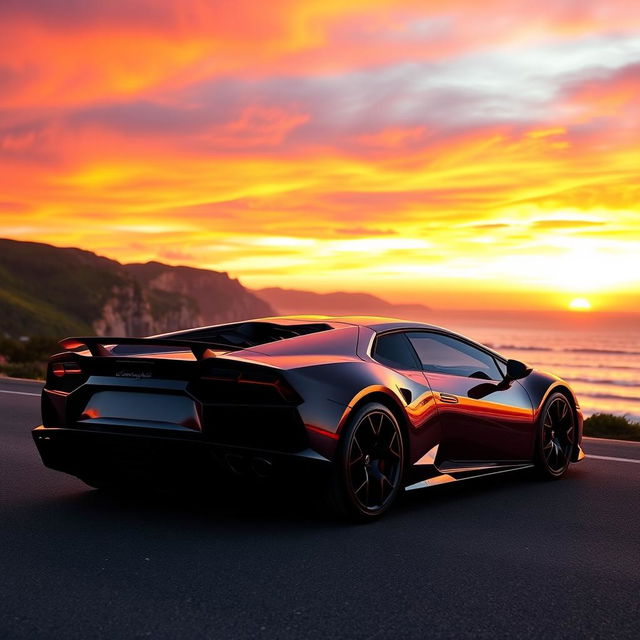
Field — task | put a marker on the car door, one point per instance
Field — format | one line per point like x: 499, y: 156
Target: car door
x: 394, y: 351
x: 483, y: 416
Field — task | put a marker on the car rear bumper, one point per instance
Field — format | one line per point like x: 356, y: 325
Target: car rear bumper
x: 165, y: 459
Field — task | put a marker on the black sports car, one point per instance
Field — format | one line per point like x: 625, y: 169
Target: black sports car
x: 366, y: 405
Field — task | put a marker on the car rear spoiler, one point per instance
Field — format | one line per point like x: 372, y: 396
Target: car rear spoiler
x: 97, y: 345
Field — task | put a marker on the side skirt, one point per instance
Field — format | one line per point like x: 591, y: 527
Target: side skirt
x: 445, y: 478
x: 447, y: 471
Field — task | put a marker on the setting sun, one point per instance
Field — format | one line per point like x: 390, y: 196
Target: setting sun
x: 580, y: 304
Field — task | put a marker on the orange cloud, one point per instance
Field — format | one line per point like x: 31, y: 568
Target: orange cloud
x: 393, y: 137
x: 66, y: 53
x: 608, y: 95
x: 256, y: 126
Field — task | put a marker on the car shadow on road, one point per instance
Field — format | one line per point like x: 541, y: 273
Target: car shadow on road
x: 234, y: 508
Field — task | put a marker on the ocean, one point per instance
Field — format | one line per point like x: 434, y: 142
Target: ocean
x: 599, y: 354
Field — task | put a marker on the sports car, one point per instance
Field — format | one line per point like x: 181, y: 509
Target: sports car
x: 364, y: 407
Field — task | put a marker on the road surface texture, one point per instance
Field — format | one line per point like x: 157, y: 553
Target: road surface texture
x: 501, y: 557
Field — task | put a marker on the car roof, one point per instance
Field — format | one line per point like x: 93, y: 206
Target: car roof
x: 377, y: 323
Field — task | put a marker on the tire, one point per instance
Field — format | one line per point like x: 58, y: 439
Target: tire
x: 555, y: 441
x: 369, y: 465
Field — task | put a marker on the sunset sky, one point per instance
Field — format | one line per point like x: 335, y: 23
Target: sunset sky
x: 459, y: 153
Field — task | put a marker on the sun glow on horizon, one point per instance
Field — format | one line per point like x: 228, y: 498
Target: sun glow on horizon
x: 580, y: 304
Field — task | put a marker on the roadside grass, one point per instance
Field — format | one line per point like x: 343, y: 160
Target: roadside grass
x: 26, y: 359
x: 605, y: 425
x: 29, y: 370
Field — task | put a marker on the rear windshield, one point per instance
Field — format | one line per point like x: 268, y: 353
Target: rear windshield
x: 231, y: 337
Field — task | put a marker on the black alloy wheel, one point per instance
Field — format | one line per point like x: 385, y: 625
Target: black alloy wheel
x: 556, y: 436
x: 371, y: 463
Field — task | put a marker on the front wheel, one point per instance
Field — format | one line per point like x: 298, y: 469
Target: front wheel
x: 370, y: 464
x: 556, y: 437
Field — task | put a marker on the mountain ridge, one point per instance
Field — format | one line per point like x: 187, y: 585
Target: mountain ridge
x: 339, y: 303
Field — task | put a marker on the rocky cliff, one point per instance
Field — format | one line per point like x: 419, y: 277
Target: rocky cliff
x: 193, y: 297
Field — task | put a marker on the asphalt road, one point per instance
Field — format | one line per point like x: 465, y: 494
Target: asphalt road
x: 506, y: 557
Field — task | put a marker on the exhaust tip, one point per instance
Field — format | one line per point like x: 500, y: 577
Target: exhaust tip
x: 262, y: 467
x: 237, y: 464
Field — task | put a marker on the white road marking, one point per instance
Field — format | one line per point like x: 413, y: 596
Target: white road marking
x: 592, y: 439
x: 21, y: 393
x: 614, y: 459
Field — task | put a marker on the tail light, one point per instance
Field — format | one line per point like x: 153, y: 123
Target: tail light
x: 266, y: 380
x: 61, y: 369
x: 279, y: 383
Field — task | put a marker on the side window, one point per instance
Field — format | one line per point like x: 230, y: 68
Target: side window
x: 394, y: 350
x: 442, y: 354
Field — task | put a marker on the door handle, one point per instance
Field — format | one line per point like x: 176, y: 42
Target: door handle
x: 447, y: 397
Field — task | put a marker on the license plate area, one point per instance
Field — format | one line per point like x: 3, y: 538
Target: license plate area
x: 140, y: 409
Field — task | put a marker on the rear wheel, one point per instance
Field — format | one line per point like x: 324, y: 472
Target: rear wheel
x: 370, y: 464
x: 556, y: 437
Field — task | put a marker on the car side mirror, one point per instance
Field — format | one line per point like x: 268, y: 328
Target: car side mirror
x: 517, y: 370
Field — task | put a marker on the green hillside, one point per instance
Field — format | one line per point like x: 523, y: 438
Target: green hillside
x: 49, y: 291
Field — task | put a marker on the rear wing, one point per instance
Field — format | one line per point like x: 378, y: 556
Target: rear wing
x: 97, y: 346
